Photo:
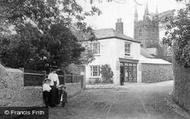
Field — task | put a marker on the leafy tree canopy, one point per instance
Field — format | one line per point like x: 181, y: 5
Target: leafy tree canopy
x: 178, y: 35
x: 43, y: 35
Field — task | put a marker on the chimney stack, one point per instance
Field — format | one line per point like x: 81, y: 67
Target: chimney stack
x: 119, y: 26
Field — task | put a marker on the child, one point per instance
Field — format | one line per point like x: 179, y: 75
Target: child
x: 46, y: 91
x: 62, y: 93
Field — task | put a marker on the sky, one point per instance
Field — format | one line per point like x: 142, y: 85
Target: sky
x: 124, y: 9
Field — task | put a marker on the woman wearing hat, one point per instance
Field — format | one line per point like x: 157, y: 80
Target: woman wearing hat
x: 54, y: 83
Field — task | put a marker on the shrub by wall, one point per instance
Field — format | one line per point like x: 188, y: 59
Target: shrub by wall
x: 156, y: 72
x: 106, y: 74
x: 94, y: 81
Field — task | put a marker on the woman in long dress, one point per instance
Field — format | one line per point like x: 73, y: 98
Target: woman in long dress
x: 54, y: 100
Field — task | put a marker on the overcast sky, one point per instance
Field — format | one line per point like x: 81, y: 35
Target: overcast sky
x: 125, y: 9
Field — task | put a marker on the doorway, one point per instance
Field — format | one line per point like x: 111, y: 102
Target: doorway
x: 128, y: 72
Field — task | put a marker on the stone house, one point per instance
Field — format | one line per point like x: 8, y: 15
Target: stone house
x: 128, y: 61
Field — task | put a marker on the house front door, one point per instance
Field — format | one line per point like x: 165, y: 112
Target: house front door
x: 130, y: 72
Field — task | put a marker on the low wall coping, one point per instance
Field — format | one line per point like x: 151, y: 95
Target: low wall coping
x: 157, y: 63
x: 14, y: 70
x: 33, y: 87
x: 72, y: 83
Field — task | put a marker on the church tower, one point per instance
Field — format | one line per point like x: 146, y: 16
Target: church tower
x: 147, y: 30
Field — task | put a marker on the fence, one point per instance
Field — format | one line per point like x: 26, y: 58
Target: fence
x: 36, y: 79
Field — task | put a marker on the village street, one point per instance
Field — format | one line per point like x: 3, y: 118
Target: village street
x: 132, y: 101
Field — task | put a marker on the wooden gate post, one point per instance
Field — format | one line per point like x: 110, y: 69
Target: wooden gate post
x: 83, y: 80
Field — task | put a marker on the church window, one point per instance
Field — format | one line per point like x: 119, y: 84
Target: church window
x: 140, y: 32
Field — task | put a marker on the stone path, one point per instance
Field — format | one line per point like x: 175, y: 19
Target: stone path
x: 132, y: 101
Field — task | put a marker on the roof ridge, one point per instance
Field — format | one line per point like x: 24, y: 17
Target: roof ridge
x: 112, y: 33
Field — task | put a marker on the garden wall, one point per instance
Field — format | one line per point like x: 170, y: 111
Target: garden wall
x: 156, y: 72
x: 181, y: 93
x: 13, y: 92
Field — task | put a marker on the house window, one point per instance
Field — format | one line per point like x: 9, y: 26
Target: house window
x: 95, y: 70
x: 95, y: 48
x: 127, y: 48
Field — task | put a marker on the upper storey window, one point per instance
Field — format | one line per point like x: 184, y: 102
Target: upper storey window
x: 127, y: 48
x: 95, y: 47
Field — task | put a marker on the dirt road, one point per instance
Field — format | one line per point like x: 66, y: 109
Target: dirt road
x: 132, y: 101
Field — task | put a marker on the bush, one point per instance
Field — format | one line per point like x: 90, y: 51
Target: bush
x: 106, y: 73
x: 97, y: 80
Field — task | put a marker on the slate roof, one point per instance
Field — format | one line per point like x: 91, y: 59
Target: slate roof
x: 146, y: 60
x: 145, y: 53
x: 111, y: 33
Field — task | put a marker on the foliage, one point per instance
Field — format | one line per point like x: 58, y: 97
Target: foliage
x: 94, y: 81
x: 73, y: 69
x: 43, y: 33
x: 97, y: 80
x: 87, y: 56
x: 106, y: 74
x: 177, y: 35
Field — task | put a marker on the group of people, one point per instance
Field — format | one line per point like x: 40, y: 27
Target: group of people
x: 52, y: 90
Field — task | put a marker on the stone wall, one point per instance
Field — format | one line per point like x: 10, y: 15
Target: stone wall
x: 181, y: 93
x: 13, y: 92
x: 32, y: 95
x: 156, y: 72
x: 11, y: 84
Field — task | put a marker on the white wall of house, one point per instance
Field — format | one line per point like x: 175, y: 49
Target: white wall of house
x: 110, y: 52
x: 107, y: 56
x: 135, y: 49
x: 134, y: 54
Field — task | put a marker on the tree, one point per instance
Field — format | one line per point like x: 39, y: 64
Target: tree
x: 43, y: 33
x: 106, y: 73
x: 177, y: 36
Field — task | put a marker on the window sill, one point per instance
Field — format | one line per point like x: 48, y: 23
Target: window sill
x: 96, y: 54
x: 95, y: 77
x: 128, y: 56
